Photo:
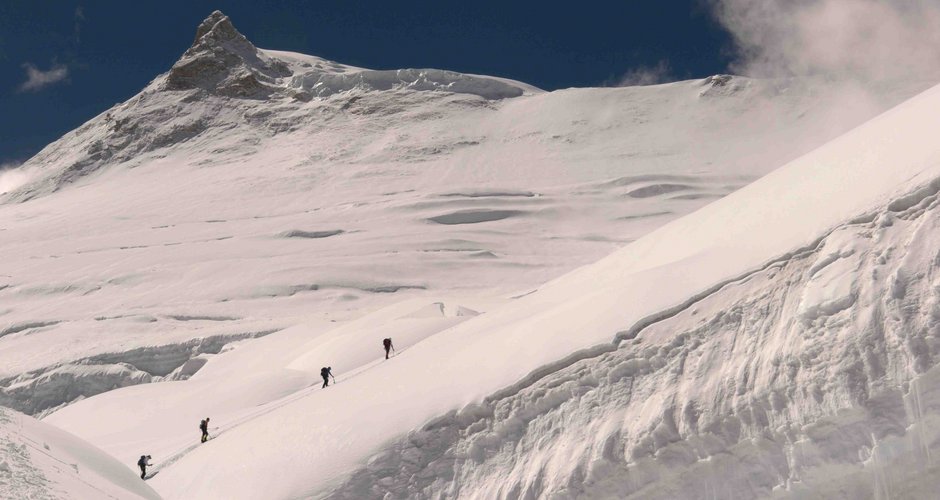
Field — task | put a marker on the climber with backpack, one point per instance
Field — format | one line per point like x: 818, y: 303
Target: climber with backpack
x: 326, y: 372
x: 143, y: 463
x: 204, y: 427
x: 387, y: 343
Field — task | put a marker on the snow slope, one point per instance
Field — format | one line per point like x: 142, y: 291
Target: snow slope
x: 781, y: 263
x: 815, y: 377
x: 889, y: 164
x: 247, y: 191
x: 249, y: 379
x: 39, y: 461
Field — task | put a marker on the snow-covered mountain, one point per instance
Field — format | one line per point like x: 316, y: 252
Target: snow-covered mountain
x: 765, y: 344
x: 247, y: 190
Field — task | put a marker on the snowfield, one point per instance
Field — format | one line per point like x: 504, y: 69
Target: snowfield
x: 251, y: 216
x: 739, y: 393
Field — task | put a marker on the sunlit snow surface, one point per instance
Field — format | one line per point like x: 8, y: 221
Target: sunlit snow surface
x: 784, y: 360
x: 323, y: 434
x: 163, y: 235
x: 282, y: 210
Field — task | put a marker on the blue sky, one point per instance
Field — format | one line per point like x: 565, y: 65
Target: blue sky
x: 63, y: 62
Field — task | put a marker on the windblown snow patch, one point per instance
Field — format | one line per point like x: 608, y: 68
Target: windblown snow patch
x: 474, y: 216
x: 297, y: 233
x: 12, y: 179
x: 324, y: 84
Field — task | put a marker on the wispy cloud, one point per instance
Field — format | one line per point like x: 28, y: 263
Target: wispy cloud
x: 862, y: 40
x: 647, y: 75
x: 856, y: 57
x: 37, y: 79
x: 79, y: 18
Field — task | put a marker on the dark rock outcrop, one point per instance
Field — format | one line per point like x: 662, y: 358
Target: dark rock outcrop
x: 222, y: 61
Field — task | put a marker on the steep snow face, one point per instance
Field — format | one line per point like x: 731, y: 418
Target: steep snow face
x: 757, y: 325
x: 817, y: 376
x: 38, y: 460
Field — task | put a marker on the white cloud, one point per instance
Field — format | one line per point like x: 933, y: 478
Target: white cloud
x: 863, y: 40
x: 859, y: 57
x: 646, y: 75
x: 37, y: 79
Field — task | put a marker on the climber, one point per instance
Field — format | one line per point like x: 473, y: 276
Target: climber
x: 204, y: 427
x: 388, y: 346
x: 326, y: 372
x: 143, y: 463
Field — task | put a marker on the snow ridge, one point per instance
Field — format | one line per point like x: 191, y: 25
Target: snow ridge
x: 321, y: 84
x: 845, y: 403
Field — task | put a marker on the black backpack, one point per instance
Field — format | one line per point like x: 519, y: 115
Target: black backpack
x: 324, y: 372
x: 387, y: 343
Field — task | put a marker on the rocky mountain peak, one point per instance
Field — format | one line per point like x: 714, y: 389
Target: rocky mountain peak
x: 222, y: 61
x: 218, y: 30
